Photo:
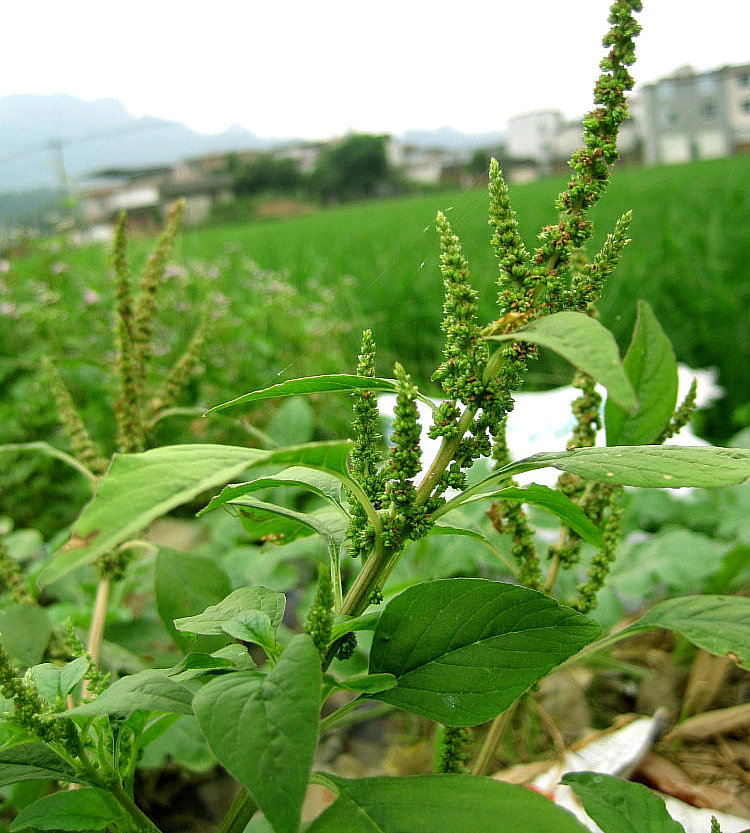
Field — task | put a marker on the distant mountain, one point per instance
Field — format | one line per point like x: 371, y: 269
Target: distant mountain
x: 36, y: 132
x: 42, y: 135
x: 446, y: 138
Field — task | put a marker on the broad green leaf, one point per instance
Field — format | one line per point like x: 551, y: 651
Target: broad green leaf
x: 318, y: 482
x: 152, y: 691
x: 196, y: 665
x: 445, y: 803
x: 347, y: 624
x: 85, y: 809
x: 25, y: 630
x: 263, y: 730
x: 619, y: 806
x: 32, y: 760
x: 718, y: 624
x: 545, y: 498
x: 443, y: 528
x: 213, y: 618
x: 253, y: 626
x: 335, y: 383
x: 586, y: 344
x: 663, y: 466
x: 363, y: 684
x: 280, y: 525
x: 292, y: 422
x: 141, y: 487
x: 57, y: 681
x: 186, y: 585
x: 651, y: 366
x: 464, y: 649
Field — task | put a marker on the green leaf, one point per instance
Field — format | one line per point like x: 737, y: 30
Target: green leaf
x: 186, y: 585
x: 665, y: 467
x: 263, y: 730
x: 586, y: 344
x: 718, y: 624
x: 363, y: 684
x: 445, y: 803
x: 464, y: 649
x: 619, y: 806
x: 336, y: 383
x: 292, y: 422
x: 150, y: 690
x: 32, y: 760
x: 348, y: 624
x: 651, y: 366
x: 85, y: 809
x: 57, y: 681
x: 141, y: 487
x: 213, y: 618
x: 318, y: 482
x: 196, y: 665
x: 253, y: 626
x: 543, y: 497
x: 25, y: 630
x: 278, y: 524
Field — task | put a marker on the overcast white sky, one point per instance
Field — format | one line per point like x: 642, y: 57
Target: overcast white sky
x: 316, y: 69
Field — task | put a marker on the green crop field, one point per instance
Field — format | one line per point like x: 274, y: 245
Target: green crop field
x: 690, y: 258
x: 291, y: 297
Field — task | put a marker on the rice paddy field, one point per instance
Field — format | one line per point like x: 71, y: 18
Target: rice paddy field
x: 291, y: 296
x: 690, y: 258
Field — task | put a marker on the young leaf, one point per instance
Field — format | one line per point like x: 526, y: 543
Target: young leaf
x: 586, y: 344
x: 363, y: 684
x: 141, y: 487
x: 428, y: 803
x: 253, y: 626
x: 186, y: 585
x: 463, y: 649
x: 318, y: 482
x: 619, y: 806
x: 85, y: 809
x: 718, y: 624
x: 25, y: 630
x: 32, y: 760
x: 196, y: 665
x: 213, y: 618
x: 57, y: 681
x: 263, y: 730
x: 269, y: 522
x: 152, y: 691
x: 336, y: 383
x: 651, y: 366
x: 665, y: 467
x: 543, y: 497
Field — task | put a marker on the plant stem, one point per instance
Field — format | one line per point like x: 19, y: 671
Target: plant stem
x: 239, y: 814
x: 97, y: 624
x: 143, y: 823
x: 487, y: 752
x: 444, y: 457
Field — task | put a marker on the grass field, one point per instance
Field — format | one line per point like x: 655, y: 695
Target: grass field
x: 690, y: 258
x: 319, y: 278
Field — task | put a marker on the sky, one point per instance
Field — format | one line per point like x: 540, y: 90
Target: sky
x: 318, y: 69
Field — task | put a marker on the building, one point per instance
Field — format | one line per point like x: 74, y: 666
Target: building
x: 696, y: 115
x: 531, y: 136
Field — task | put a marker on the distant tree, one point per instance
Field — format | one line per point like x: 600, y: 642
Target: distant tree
x: 355, y: 167
x: 268, y: 173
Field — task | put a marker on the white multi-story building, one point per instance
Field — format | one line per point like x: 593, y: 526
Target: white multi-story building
x: 696, y: 115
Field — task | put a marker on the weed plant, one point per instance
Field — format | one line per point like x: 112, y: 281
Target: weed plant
x: 459, y: 651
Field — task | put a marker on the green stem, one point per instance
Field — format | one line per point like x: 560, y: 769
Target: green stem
x: 444, y: 457
x: 143, y: 823
x: 497, y: 729
x: 239, y: 814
